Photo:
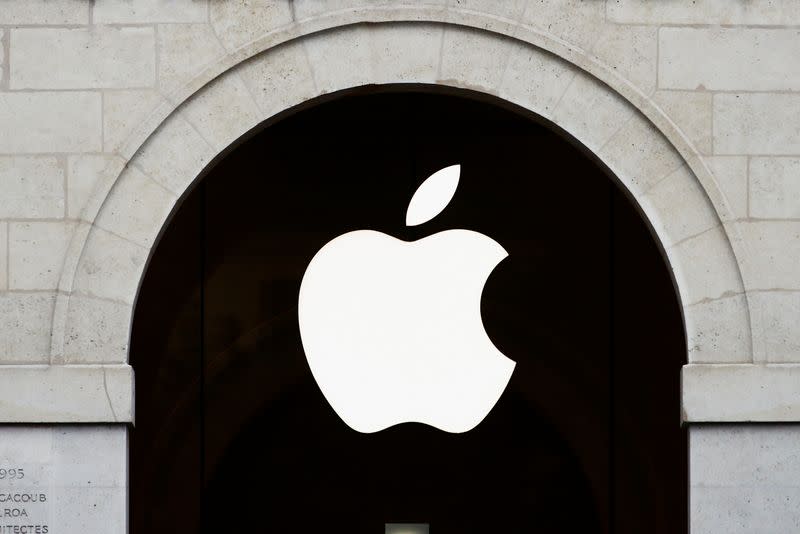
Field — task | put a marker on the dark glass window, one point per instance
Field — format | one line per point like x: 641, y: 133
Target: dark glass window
x: 233, y: 433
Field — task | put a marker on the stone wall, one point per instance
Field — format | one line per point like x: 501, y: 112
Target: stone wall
x: 110, y: 109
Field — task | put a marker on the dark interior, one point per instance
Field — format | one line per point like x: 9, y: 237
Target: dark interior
x: 233, y: 433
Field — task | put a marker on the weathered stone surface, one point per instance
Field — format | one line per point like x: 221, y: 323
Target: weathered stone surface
x: 776, y: 315
x: 403, y: 56
x: 44, y: 12
x: 678, y: 207
x: 238, y: 22
x: 89, y: 178
x: 32, y: 187
x: 473, y: 58
x: 775, y: 188
x: 591, y: 112
x: 717, y: 331
x: 25, y: 327
x: 175, y: 155
x: 109, y: 267
x: 147, y: 11
x: 82, y: 58
x: 774, y: 254
x: 716, y: 393
x: 704, y: 12
x: 136, y: 207
x: 96, y: 331
x: 184, y: 51
x: 704, y: 267
x: 535, y: 79
x: 66, y: 394
x: 223, y: 111
x: 3, y: 255
x: 743, y: 479
x: 31, y: 126
x: 692, y: 112
x: 730, y: 173
x: 631, y: 52
x: 640, y: 156
x: 575, y: 21
x: 702, y: 58
x: 352, y: 65
x: 757, y: 123
x: 279, y: 78
x: 311, y: 9
x: 123, y: 111
x: 36, y: 253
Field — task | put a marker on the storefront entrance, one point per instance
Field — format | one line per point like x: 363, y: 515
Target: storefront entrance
x: 233, y: 433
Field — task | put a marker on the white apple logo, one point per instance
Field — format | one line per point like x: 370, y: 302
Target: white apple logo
x: 392, y: 329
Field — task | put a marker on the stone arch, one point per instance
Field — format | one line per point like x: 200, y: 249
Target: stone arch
x: 655, y: 162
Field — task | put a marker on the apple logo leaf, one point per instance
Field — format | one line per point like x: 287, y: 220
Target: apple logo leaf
x: 433, y: 195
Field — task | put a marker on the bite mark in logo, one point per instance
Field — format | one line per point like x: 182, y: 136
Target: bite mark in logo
x: 392, y: 329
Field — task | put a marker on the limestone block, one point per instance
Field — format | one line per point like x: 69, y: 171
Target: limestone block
x: 745, y: 455
x: 753, y: 59
x: 25, y: 327
x: 639, y: 155
x: 591, y: 112
x: 89, y: 178
x: 631, y: 52
x: 124, y: 111
x: 32, y: 187
x: 535, y: 79
x: 308, y: 9
x: 775, y: 188
x: 756, y: 123
x: 717, y: 393
x: 678, y: 207
x: 474, y: 59
x: 148, y: 11
x: 730, y: 173
x: 405, y: 53
x: 2, y: 58
x: 184, y: 50
x: 717, y: 331
x: 3, y: 255
x: 36, y: 253
x: 237, y: 22
x: 510, y: 9
x: 81, y: 472
x: 776, y: 317
x: 691, y: 111
x: 97, y: 331
x: 222, y: 112
x: 50, y: 122
x: 82, y: 58
x: 575, y: 21
x: 340, y: 59
x: 744, y: 479
x: 704, y: 267
x: 66, y: 394
x: 136, y: 207
x: 110, y: 267
x: 175, y: 155
x: 279, y: 78
x: 774, y: 254
x: 44, y: 12
x: 704, y: 12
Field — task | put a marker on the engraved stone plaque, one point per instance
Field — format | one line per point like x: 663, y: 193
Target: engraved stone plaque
x: 63, y: 479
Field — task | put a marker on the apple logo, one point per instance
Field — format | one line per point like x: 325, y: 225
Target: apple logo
x: 392, y: 329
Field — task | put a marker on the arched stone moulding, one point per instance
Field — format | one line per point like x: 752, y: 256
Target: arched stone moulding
x: 290, y: 65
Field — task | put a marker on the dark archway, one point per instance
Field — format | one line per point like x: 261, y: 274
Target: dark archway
x: 232, y: 431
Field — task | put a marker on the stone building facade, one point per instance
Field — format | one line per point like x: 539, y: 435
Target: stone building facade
x: 110, y: 109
